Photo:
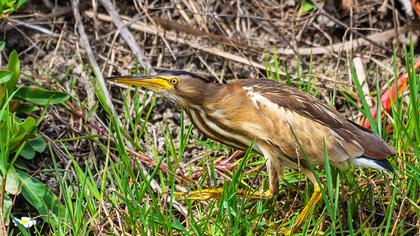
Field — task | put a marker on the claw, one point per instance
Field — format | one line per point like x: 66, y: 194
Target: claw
x: 206, y: 194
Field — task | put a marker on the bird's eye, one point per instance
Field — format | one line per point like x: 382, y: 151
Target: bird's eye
x: 173, y: 81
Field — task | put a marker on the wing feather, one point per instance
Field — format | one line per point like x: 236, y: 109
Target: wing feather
x: 351, y: 136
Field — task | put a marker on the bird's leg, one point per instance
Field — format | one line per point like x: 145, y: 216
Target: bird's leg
x: 206, y: 194
x: 274, y: 171
x: 315, y: 198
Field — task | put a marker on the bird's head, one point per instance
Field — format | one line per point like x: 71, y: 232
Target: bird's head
x: 183, y: 87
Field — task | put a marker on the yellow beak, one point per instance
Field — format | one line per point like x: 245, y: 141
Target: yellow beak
x: 151, y: 81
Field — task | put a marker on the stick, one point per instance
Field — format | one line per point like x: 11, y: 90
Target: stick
x: 172, y: 37
x: 328, y: 15
x: 84, y: 41
x: 361, y: 76
x: 377, y: 37
x: 140, y: 26
x: 126, y: 34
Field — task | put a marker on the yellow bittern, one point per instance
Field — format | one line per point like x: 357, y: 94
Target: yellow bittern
x: 288, y: 127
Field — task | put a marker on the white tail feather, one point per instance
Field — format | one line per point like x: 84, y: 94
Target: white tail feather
x: 366, y: 163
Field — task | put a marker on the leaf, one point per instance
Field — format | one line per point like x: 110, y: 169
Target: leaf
x: 2, y: 95
x: 38, y: 143
x: 5, y: 76
x: 14, y: 67
x: 2, y: 45
x: 40, y: 197
x: 22, y: 130
x: 28, y: 124
x: 20, y: 3
x: 7, y: 207
x: 41, y: 96
x: 28, y: 152
x: 25, y: 108
x: 306, y: 7
x: 12, y: 182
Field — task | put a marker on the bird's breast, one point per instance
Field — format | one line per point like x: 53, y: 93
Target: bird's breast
x: 215, y: 127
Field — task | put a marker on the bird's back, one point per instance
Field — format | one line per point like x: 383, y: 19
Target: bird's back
x: 303, y: 119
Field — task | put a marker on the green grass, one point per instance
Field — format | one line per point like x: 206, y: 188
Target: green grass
x: 108, y: 192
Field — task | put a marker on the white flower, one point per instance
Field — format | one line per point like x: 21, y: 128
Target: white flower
x: 27, y: 222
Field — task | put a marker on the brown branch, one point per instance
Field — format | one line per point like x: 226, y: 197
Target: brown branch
x: 337, y: 21
x: 377, y: 37
x: 126, y: 34
x: 188, y: 29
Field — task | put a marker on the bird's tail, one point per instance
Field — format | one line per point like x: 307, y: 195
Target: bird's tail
x: 364, y: 161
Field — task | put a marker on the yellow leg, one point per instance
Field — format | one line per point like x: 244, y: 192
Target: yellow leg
x: 315, y: 198
x: 274, y: 170
x: 205, y: 194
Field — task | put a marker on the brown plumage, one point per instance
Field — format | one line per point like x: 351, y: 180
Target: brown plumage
x: 354, y: 139
x: 288, y: 126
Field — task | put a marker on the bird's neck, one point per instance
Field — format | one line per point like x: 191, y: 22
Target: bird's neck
x: 209, y: 93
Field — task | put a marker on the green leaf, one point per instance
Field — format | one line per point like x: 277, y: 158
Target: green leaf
x: 28, y: 124
x: 2, y: 45
x: 7, y: 207
x: 26, y: 108
x: 14, y: 67
x: 22, y: 130
x: 2, y: 95
x: 41, y: 96
x: 5, y: 76
x: 40, y: 196
x: 306, y: 7
x: 12, y: 182
x: 28, y: 151
x: 38, y: 143
x: 20, y: 3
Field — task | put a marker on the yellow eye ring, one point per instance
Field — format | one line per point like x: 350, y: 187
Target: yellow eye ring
x: 173, y: 81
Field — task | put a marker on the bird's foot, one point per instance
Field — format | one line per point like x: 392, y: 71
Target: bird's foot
x: 206, y: 194
x: 315, y: 198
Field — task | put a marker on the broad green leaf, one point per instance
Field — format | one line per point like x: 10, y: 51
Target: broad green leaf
x: 12, y: 182
x: 5, y: 76
x: 28, y: 151
x: 14, y: 67
x: 2, y: 95
x: 2, y: 45
x: 22, y: 130
x: 20, y: 3
x: 26, y: 108
x: 41, y: 96
x: 38, y: 143
x: 39, y: 196
x: 28, y: 124
x: 306, y: 6
x: 7, y: 207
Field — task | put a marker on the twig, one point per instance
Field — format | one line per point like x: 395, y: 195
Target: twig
x: 170, y: 24
x: 140, y: 26
x: 126, y: 34
x: 361, y: 76
x: 85, y: 43
x: 172, y: 37
x: 337, y: 21
x: 377, y: 37
x: 33, y: 26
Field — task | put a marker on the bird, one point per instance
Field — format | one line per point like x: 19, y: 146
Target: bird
x: 288, y: 127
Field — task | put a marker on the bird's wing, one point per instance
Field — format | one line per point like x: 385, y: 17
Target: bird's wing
x: 354, y: 139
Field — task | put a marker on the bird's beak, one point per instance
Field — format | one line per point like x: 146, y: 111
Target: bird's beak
x: 150, y: 81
